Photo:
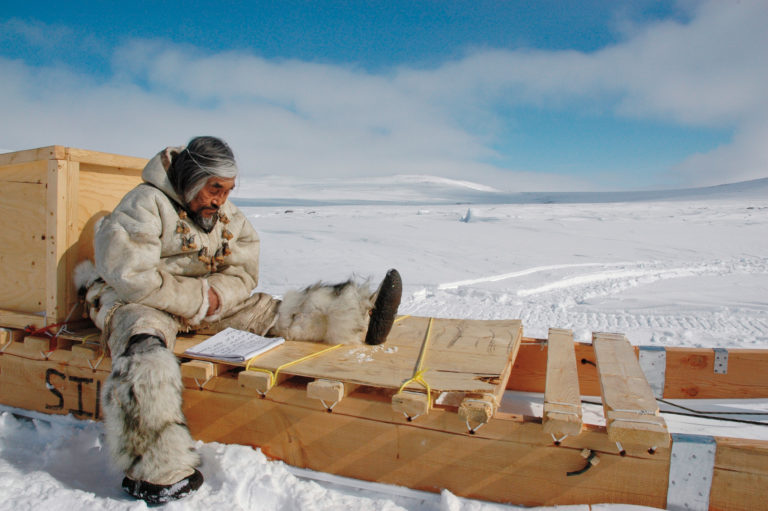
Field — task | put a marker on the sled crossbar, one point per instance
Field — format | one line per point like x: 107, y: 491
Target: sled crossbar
x: 631, y: 412
x: 562, y: 400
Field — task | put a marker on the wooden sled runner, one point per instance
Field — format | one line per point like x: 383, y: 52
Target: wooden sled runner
x: 424, y: 410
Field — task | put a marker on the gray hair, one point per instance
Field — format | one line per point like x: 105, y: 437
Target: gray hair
x: 203, y: 158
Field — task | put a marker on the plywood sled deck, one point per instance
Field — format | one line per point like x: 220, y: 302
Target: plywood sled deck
x: 422, y: 410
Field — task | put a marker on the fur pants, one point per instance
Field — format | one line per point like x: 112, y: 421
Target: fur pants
x: 146, y: 430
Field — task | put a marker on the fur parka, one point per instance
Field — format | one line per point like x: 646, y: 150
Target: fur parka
x: 152, y: 254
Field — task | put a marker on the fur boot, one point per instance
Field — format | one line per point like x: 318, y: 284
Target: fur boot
x: 335, y: 314
x: 145, y: 427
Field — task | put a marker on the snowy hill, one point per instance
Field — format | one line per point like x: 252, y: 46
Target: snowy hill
x: 426, y: 190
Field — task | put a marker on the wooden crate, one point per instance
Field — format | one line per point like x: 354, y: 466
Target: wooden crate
x: 50, y: 198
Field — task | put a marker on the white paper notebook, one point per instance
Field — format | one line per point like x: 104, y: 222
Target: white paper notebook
x: 234, y: 345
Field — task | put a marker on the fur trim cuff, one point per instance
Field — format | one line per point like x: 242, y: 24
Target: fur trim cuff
x: 200, y: 316
x: 85, y: 275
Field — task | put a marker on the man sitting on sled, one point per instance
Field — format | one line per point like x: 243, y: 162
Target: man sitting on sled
x: 173, y: 256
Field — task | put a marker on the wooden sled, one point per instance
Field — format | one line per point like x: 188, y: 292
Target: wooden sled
x: 424, y: 410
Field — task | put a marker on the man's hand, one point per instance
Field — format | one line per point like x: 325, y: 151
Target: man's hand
x: 213, y: 301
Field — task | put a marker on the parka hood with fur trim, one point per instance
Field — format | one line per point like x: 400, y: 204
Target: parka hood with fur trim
x: 150, y: 252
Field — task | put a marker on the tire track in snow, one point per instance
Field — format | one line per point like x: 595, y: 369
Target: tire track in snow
x: 522, y: 273
x: 625, y: 276
x: 561, y: 303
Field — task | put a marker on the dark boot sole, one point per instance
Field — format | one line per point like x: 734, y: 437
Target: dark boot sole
x: 162, y: 493
x: 385, y: 308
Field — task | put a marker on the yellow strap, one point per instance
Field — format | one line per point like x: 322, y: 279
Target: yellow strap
x: 273, y: 375
x: 397, y: 320
x: 418, y: 376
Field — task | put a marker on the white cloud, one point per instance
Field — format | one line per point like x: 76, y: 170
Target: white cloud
x: 310, y: 119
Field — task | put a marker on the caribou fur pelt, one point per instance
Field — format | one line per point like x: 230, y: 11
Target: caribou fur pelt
x: 146, y: 430
x: 335, y: 314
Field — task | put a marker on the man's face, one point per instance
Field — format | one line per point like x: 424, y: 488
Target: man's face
x: 205, y: 206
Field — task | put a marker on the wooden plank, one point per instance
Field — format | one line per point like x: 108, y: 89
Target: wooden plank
x: 62, y: 234
x: 562, y: 401
x: 54, y: 152
x: 12, y: 319
x: 510, y: 462
x: 105, y: 159
x: 740, y: 479
x: 51, y: 387
x: 67, y: 294
x: 33, y: 172
x: 689, y: 372
x: 56, y: 235
x: 631, y: 411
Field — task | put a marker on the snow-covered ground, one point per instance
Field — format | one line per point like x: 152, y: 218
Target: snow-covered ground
x: 685, y: 268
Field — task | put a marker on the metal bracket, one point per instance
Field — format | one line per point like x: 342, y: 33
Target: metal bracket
x: 721, y: 361
x: 653, y: 361
x: 691, y: 466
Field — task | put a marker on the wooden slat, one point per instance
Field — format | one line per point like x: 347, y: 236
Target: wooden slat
x: 631, y: 412
x: 453, y: 362
x: 56, y: 235
x: 62, y: 234
x: 562, y: 401
x: 67, y: 294
x: 43, y: 153
x: 105, y: 159
x: 57, y: 152
x: 12, y: 319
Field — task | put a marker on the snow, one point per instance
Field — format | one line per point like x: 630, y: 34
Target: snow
x: 675, y: 268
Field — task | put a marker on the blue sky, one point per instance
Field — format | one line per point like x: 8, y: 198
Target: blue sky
x: 518, y: 95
